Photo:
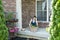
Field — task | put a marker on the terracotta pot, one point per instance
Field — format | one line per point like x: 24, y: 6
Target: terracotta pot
x: 33, y: 29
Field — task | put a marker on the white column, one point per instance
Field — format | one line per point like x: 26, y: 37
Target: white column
x: 19, y: 14
x: 47, y: 12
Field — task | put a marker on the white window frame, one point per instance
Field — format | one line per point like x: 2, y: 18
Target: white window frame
x: 47, y: 12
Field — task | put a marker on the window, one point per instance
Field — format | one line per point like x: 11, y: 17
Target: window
x: 42, y: 14
x: 49, y: 8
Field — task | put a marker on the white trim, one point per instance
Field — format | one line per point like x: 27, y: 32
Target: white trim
x: 43, y: 21
x: 19, y: 13
x: 38, y: 0
x: 36, y: 8
x: 47, y: 12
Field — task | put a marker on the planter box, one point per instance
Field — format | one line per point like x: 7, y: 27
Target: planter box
x: 12, y: 20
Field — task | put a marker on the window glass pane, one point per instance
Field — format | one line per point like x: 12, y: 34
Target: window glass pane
x: 42, y: 15
x: 41, y: 10
x: 44, y: 5
x: 39, y: 5
x: 49, y: 15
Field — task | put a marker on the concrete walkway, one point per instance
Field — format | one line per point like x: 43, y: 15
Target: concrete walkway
x: 41, y: 34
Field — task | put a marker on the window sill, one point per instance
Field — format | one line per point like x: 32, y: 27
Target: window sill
x: 44, y: 21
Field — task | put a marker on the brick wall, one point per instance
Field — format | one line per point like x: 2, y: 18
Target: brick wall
x: 28, y: 11
x: 9, y: 5
x: 43, y: 25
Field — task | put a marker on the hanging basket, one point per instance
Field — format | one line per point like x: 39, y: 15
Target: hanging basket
x: 12, y: 20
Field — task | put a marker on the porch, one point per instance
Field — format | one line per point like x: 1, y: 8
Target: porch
x: 41, y: 34
x: 25, y: 11
x: 24, y: 15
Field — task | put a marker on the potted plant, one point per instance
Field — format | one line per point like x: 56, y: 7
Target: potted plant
x: 14, y: 29
x: 11, y: 17
x: 13, y: 20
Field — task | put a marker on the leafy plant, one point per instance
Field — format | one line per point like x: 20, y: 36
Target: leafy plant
x: 3, y: 28
x: 55, y: 21
x: 9, y: 16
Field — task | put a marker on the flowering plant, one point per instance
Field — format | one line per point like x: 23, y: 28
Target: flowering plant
x: 15, y: 29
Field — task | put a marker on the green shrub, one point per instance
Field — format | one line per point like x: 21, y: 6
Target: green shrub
x: 9, y: 16
x: 55, y: 21
x: 3, y: 28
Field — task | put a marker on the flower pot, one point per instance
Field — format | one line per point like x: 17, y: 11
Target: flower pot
x: 12, y: 30
x: 33, y: 29
x: 16, y: 29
